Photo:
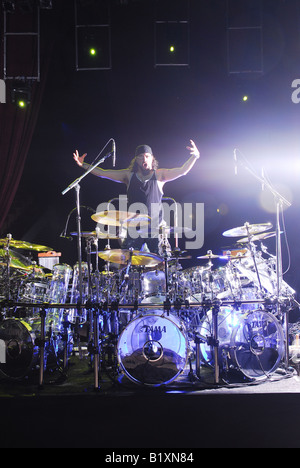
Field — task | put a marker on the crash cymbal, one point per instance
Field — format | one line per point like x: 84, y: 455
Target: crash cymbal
x: 17, y: 260
x: 25, y: 245
x: 97, y: 234
x: 138, y: 258
x: 120, y: 218
x: 258, y: 237
x: 247, y: 229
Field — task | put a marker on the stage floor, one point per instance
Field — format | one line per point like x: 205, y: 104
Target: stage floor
x: 67, y: 411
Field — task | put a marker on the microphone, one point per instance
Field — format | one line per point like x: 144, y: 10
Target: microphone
x: 235, y: 162
x: 114, y: 153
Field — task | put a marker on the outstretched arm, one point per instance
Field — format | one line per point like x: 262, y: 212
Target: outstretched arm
x: 121, y: 175
x: 166, y: 175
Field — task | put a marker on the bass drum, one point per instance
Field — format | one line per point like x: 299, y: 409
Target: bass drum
x: 251, y: 342
x: 18, y: 352
x: 257, y: 345
x: 152, y: 350
x: 228, y: 320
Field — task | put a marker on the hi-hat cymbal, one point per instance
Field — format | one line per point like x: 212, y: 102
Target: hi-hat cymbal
x: 247, y: 229
x: 120, y: 218
x: 208, y: 256
x: 25, y: 245
x: 97, y: 234
x: 174, y: 230
x: 138, y: 258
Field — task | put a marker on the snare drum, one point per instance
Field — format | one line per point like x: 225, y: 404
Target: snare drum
x: 153, y: 285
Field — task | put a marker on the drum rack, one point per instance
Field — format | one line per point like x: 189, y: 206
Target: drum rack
x: 165, y: 306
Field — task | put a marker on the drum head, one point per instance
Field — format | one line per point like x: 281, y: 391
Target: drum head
x: 258, y: 344
x: 228, y: 319
x: 19, y: 351
x: 152, y: 350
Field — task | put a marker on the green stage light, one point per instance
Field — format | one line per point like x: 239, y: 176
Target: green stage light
x: 21, y: 103
x: 21, y: 95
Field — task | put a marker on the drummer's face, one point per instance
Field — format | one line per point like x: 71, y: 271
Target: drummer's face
x: 145, y: 161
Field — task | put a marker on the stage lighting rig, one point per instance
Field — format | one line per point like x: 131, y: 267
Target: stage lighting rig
x: 8, y: 6
x: 45, y: 4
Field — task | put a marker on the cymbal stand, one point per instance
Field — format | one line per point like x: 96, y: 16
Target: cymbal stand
x: 210, y: 280
x: 279, y: 200
x: 176, y: 234
x: 96, y: 347
x: 126, y: 275
x: 8, y: 260
x: 165, y: 256
x: 252, y: 251
x: 41, y: 344
x: 215, y: 341
x: 176, y: 253
x: 89, y: 264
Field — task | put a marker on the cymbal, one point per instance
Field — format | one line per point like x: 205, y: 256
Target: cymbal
x: 180, y: 258
x: 17, y: 260
x: 264, y: 235
x: 247, y: 229
x: 120, y: 218
x: 25, y: 245
x: 98, y: 234
x: 138, y: 258
x: 208, y: 256
x: 177, y: 254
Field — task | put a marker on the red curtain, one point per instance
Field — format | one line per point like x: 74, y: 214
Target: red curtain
x: 16, y: 130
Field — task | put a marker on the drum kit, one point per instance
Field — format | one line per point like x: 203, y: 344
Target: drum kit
x: 146, y: 318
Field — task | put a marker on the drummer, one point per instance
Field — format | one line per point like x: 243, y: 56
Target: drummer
x: 145, y: 182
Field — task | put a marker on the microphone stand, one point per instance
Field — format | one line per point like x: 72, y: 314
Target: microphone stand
x: 279, y: 200
x: 75, y: 185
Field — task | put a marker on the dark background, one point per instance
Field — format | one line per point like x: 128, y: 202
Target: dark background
x: 135, y: 103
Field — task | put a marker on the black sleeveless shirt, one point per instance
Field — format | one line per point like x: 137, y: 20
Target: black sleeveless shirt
x: 150, y: 196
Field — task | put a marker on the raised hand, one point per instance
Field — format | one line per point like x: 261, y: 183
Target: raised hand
x: 79, y: 159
